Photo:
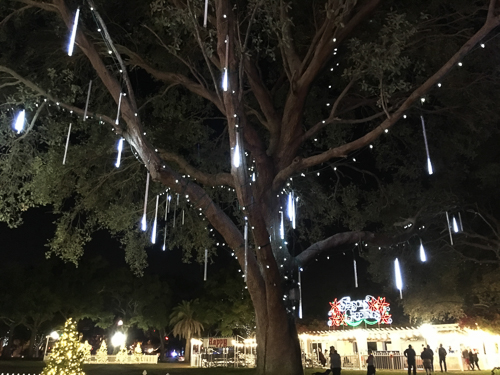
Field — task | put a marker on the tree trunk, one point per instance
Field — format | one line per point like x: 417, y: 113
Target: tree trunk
x: 162, y: 334
x: 187, y: 350
x: 32, y: 343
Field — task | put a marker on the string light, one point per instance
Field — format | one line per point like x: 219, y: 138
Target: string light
x: 143, y: 223
x: 236, y: 154
x: 153, y: 232
x: 429, y: 164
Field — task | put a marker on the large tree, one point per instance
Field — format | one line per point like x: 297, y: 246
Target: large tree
x: 308, y: 84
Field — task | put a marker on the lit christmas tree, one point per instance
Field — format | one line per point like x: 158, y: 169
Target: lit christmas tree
x: 102, y: 353
x: 122, y: 355
x: 138, y: 352
x: 86, y: 349
x: 66, y: 358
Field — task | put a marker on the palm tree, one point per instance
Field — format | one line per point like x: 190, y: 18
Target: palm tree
x: 184, y: 324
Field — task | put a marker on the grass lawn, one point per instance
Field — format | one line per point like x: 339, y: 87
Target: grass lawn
x: 34, y: 368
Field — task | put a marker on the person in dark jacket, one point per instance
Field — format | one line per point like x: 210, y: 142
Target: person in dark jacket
x: 370, y: 368
x: 322, y: 358
x: 432, y: 357
x: 471, y: 360
x: 442, y: 357
x: 335, y: 362
x: 475, y: 359
x: 426, y: 359
x: 410, y: 357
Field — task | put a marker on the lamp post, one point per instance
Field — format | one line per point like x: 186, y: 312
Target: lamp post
x: 55, y: 336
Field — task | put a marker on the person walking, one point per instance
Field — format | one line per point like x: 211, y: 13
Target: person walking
x: 426, y: 359
x: 335, y: 362
x: 471, y: 359
x: 465, y: 357
x: 442, y: 357
x: 370, y: 368
x: 431, y: 352
x: 410, y: 357
x: 322, y: 358
x: 475, y: 359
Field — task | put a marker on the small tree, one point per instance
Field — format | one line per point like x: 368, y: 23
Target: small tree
x: 66, y: 358
x: 102, y: 353
x: 185, y: 324
x: 86, y: 350
x: 122, y: 356
x: 138, y: 352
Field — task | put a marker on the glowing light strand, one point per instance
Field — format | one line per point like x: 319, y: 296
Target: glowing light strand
x: 153, y: 232
x: 282, y: 227
x: 399, y: 279
x: 117, y: 121
x: 355, y: 273
x: 449, y: 228
x: 19, y: 121
x: 67, y: 144
x: 455, y: 225
x: 237, y: 152
x: 143, y: 223
x: 225, y: 77
x: 167, y: 204
x: 71, y: 44
x: 245, y: 236
x: 206, y: 265
x: 87, y: 102
x: 205, y: 18
x: 429, y: 164
x: 423, y: 257
x: 300, y: 294
x: 119, y: 149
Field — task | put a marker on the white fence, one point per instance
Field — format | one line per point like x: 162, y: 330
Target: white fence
x: 112, y: 359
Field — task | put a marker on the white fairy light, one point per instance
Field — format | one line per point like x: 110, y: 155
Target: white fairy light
x: 143, y: 223
x: 253, y: 177
x: 117, y: 121
x: 399, y: 280
x: 71, y: 44
x: 19, y: 122
x: 153, y: 232
x: 429, y: 164
x: 423, y: 257
x: 67, y: 144
x: 119, y: 148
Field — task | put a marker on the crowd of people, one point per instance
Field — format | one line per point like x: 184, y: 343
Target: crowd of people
x: 469, y: 356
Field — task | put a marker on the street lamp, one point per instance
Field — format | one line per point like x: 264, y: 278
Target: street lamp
x: 118, y: 339
x: 54, y: 336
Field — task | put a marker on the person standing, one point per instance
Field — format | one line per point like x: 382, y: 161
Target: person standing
x: 442, y: 357
x: 431, y: 352
x: 471, y: 359
x: 335, y: 362
x: 465, y: 357
x: 426, y: 359
x: 322, y: 358
x: 410, y: 357
x: 370, y: 369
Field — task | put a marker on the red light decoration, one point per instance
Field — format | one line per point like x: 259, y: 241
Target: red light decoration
x: 371, y: 310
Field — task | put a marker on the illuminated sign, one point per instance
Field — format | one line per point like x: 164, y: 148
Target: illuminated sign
x: 371, y: 310
x: 218, y: 342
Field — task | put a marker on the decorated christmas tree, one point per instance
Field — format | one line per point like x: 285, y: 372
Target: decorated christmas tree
x: 66, y: 358
x: 138, y: 352
x: 86, y: 349
x: 122, y: 356
x: 102, y: 353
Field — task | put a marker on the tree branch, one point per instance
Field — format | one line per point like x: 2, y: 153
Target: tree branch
x: 343, y: 150
x: 203, y: 177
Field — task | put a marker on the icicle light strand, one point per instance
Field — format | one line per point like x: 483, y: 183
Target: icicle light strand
x: 153, y: 232
x: 245, y: 236
x: 206, y: 263
x: 19, y: 122
x: 423, y: 257
x: 117, y: 121
x: 355, y: 273
x: 87, y: 102
x: 449, y: 228
x: 205, y: 18
x: 300, y: 294
x: 71, y: 44
x: 119, y: 148
x: 143, y: 223
x: 399, y: 280
x: 429, y: 164
x: 67, y: 144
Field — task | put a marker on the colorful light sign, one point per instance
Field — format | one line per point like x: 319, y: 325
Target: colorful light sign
x: 371, y: 310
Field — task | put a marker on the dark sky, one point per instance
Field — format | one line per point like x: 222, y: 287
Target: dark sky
x: 329, y: 277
